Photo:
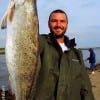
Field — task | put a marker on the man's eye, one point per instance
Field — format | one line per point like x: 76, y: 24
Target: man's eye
x: 53, y: 20
x: 63, y: 21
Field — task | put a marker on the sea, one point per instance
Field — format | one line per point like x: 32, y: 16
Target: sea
x: 4, y: 81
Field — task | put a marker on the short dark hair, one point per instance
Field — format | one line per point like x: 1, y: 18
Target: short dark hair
x: 58, y: 11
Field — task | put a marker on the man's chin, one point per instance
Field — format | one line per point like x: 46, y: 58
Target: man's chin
x: 59, y: 36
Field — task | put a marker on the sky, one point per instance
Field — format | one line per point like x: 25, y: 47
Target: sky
x: 83, y: 16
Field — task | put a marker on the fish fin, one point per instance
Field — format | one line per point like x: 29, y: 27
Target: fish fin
x: 10, y: 11
x: 3, y: 22
x: 8, y: 15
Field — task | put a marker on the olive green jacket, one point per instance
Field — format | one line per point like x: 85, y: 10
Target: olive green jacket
x: 62, y: 75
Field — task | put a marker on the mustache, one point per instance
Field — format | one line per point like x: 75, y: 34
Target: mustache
x: 58, y: 27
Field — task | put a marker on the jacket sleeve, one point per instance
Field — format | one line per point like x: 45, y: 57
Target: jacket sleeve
x: 42, y: 43
x: 86, y: 91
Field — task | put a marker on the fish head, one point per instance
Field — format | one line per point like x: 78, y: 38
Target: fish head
x: 21, y: 2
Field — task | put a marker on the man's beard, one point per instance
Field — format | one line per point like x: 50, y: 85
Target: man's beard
x: 58, y: 36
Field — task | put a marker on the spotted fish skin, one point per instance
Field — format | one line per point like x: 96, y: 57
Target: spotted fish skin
x: 22, y: 47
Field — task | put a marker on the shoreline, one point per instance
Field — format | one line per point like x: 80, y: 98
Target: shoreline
x: 95, y: 81
x: 2, y: 51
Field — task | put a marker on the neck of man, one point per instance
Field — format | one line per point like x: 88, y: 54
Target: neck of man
x: 60, y: 40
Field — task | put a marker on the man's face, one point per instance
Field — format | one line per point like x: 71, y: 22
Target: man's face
x: 58, y: 23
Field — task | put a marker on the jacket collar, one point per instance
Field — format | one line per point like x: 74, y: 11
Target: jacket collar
x: 69, y: 43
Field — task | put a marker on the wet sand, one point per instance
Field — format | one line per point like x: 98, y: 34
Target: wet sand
x: 95, y: 80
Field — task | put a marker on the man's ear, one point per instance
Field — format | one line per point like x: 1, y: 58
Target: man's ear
x: 48, y: 24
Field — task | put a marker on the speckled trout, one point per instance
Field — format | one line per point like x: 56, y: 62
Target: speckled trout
x: 22, y: 47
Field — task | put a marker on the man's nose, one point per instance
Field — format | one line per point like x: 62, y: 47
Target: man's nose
x: 58, y: 23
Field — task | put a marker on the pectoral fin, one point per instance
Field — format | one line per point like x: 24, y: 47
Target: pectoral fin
x: 8, y: 16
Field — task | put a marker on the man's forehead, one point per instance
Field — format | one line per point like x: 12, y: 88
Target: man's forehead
x: 58, y: 16
x: 58, y: 13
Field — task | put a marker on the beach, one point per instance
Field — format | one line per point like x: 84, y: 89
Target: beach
x: 95, y: 80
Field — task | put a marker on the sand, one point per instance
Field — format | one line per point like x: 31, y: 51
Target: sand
x: 95, y: 80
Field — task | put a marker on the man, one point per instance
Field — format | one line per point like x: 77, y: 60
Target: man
x: 62, y: 75
x: 92, y: 60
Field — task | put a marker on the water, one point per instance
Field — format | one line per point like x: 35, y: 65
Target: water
x: 86, y: 55
x: 4, y: 73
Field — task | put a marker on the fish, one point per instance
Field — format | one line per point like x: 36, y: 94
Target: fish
x: 22, y: 54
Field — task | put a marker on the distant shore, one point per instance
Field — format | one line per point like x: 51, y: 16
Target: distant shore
x: 2, y: 51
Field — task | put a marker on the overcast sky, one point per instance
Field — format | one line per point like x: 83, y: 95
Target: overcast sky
x: 83, y: 15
